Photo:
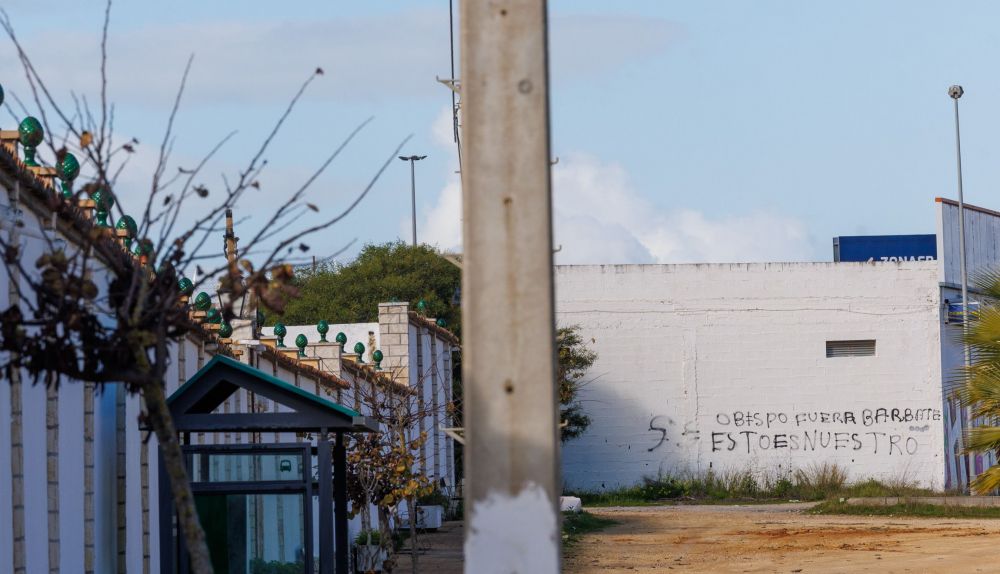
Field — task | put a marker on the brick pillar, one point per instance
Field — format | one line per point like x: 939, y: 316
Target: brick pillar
x: 16, y: 428
x: 200, y: 437
x: 120, y: 475
x: 435, y: 408
x: 181, y: 362
x: 88, y: 478
x: 449, y: 443
x: 421, y: 399
x: 144, y: 496
x: 17, y: 471
x: 394, y: 329
x: 52, y: 473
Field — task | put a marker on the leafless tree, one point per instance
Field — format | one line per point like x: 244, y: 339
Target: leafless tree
x: 66, y: 326
x: 385, y: 469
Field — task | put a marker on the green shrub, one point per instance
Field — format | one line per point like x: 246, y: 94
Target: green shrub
x: 661, y: 488
x: 818, y: 482
x: 783, y: 487
x: 372, y: 537
x: 435, y: 498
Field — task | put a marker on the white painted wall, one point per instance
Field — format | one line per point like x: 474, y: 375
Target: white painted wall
x: 133, y: 485
x: 686, y: 351
x: 421, y: 377
x: 71, y: 482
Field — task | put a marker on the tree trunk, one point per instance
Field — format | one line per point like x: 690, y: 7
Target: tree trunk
x: 385, y: 530
x: 412, y: 502
x: 173, y: 460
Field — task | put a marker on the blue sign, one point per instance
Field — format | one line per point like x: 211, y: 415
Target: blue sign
x: 885, y: 248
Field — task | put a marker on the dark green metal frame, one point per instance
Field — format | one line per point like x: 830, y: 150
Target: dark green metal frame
x: 192, y: 407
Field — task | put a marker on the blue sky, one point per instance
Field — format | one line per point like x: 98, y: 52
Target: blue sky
x: 686, y: 131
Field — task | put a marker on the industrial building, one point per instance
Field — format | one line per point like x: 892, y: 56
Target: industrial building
x: 773, y: 367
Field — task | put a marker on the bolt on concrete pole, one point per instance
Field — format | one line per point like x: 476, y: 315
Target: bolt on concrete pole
x: 512, y: 441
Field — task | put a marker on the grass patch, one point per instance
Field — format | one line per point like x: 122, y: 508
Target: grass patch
x: 576, y: 525
x: 820, y: 482
x: 907, y: 509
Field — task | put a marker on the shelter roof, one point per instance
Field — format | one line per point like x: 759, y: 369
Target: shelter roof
x: 192, y: 405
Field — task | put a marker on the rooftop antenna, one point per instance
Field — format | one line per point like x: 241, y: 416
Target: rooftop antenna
x: 231, y: 239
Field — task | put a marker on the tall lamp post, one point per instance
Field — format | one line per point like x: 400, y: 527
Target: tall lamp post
x: 956, y: 92
x: 413, y: 189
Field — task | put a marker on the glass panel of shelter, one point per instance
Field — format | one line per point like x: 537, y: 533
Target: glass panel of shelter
x: 213, y: 466
x: 255, y: 505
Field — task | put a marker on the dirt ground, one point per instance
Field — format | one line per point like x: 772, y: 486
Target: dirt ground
x: 440, y: 551
x: 780, y: 538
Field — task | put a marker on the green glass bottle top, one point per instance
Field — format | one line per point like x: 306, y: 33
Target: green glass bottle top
x: 280, y: 332
x: 104, y: 202
x: 421, y: 306
x: 186, y: 286
x: 128, y: 224
x: 225, y: 331
x: 342, y: 339
x: 377, y: 357
x: 359, y: 348
x: 67, y: 170
x: 203, y: 302
x: 442, y: 323
x: 301, y: 341
x: 213, y: 316
x: 30, y: 134
x: 323, y: 328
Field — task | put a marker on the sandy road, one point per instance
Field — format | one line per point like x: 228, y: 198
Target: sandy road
x: 780, y: 538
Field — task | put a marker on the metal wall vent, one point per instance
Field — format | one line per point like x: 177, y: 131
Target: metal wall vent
x: 862, y: 348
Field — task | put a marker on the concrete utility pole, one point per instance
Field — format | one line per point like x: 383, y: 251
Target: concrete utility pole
x: 512, y: 439
x: 956, y: 92
x: 413, y: 189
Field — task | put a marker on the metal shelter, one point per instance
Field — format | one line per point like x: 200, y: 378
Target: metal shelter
x: 194, y: 409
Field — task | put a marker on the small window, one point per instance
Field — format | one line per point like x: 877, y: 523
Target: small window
x: 863, y: 348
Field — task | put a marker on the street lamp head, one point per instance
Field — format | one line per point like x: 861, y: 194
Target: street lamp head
x: 412, y: 157
x: 955, y: 92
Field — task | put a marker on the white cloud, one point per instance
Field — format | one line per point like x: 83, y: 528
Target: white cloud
x: 600, y: 218
x: 442, y: 223
x: 442, y: 130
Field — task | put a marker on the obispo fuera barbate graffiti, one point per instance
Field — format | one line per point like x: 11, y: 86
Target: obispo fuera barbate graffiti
x: 888, y: 431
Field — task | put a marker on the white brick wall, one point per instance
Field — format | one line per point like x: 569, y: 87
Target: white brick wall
x: 684, y: 349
